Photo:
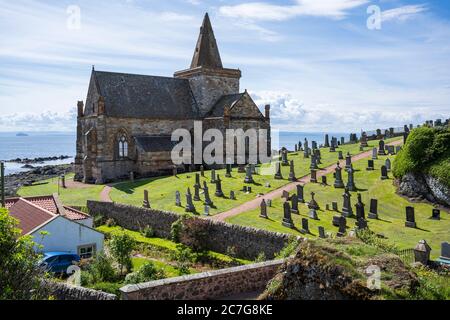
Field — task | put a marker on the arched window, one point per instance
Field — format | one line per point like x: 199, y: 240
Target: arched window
x: 123, y: 147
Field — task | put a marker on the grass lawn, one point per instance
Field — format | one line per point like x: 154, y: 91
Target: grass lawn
x: 391, y: 210
x: 170, y: 271
x: 162, y: 189
x: 70, y: 197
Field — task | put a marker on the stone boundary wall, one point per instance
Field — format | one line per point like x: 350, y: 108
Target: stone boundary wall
x: 64, y: 291
x: 247, y: 242
x: 207, y: 285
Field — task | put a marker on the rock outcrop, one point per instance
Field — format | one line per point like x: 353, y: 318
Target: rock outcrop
x: 424, y: 186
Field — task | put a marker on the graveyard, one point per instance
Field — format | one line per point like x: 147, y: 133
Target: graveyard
x: 391, y: 210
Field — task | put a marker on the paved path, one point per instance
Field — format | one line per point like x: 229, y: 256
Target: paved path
x: 275, y: 194
x: 104, y: 195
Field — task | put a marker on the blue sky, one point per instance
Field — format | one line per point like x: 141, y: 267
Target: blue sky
x: 315, y: 61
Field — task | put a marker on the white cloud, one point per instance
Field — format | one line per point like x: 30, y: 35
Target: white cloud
x: 45, y: 121
x: 336, y: 9
x: 403, y: 13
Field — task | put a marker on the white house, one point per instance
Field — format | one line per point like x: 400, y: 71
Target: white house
x: 56, y: 227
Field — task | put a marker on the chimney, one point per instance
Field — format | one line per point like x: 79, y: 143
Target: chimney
x: 267, y: 109
x: 80, y: 106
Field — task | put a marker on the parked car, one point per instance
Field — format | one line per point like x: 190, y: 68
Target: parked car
x: 59, y: 262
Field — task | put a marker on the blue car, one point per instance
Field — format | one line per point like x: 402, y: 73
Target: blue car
x: 59, y: 262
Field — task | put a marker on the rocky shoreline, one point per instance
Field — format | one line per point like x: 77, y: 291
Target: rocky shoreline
x: 14, y: 181
x: 28, y: 162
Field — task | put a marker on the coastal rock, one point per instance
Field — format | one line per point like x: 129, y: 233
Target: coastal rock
x: 418, y: 186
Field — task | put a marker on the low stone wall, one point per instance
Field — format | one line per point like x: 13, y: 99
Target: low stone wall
x: 64, y: 291
x: 207, y: 285
x: 247, y: 242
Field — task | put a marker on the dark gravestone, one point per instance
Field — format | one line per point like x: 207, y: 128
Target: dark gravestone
x: 294, y: 203
x: 300, y: 196
x: 348, y: 161
x: 373, y: 211
x: 381, y: 150
x: 232, y: 195
x: 342, y: 227
x: 287, y: 218
x: 306, y: 153
x: 285, y: 195
x: 313, y: 176
x: 219, y: 192
x: 336, y: 220
x: 338, y: 182
x: 196, y: 192
x: 410, y: 218
x: 388, y: 164
x: 202, y: 170
x: 208, y: 201
x: 269, y: 203
x: 370, y: 165
x: 436, y: 214
x: 245, y: 189
x: 384, y: 173
x: 360, y: 212
x: 146, y: 202
x: 313, y: 214
x: 374, y: 154
x: 178, y: 198
x: 340, y: 155
x: 351, y: 179
x: 228, y: 173
x: 324, y: 180
x: 278, y: 175
x: 296, y: 148
x: 292, y: 172
x: 189, y: 205
x: 364, y: 140
x: 241, y: 168
x: 313, y: 162
x: 263, y: 211
x: 248, y: 175
x: 445, y: 252
x: 322, y: 232
x: 327, y: 141
x: 213, y: 176
x: 249, y: 189
x: 313, y: 203
x: 197, y: 180
x: 305, y: 226
x: 347, y: 210
x: 327, y: 207
x: 361, y: 224
x: 284, y: 158
x: 314, y: 145
x: 342, y: 140
x: 398, y: 149
x: 334, y: 206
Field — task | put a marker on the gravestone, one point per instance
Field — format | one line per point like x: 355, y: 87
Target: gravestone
x: 338, y: 182
x: 351, y: 179
x: 202, y: 170
x: 361, y: 224
x: 313, y: 203
x: 342, y: 227
x: 245, y: 189
x: 253, y: 168
x: 263, y: 210
x: 146, y: 202
x: 196, y: 192
x: 364, y: 143
x: 391, y: 150
x: 334, y: 206
x: 219, y: 192
x: 267, y: 184
x: 360, y: 212
x: 332, y: 148
x: 313, y: 214
x: 189, y: 205
x: 249, y: 189
x: 206, y: 193
x: 410, y: 218
x: 348, y: 161
x: 294, y: 203
x: 248, y: 175
x: 370, y: 165
x: 132, y: 176
x: 314, y: 145
x: 213, y: 176
x: 347, y: 210
x: 299, y: 145
x: 384, y: 173
x: 327, y: 142
x: 228, y: 173
x: 178, y: 198
x: 313, y: 176
x: 340, y: 155
x: 197, y: 180
x: 206, y: 210
x: 284, y: 158
x: 336, y: 220
x: 287, y: 218
x: 388, y: 164
x: 436, y: 214
x: 322, y: 232
x: 232, y: 195
x: 241, y: 168
x: 374, y: 154
x: 324, y: 180
x: 398, y: 149
x: 306, y: 153
x: 296, y: 148
x: 361, y: 148
x: 269, y: 203
x: 63, y: 181
x: 292, y: 172
x: 373, y: 211
x: 313, y: 163
x: 445, y: 251
x: 278, y: 175
x: 305, y: 226
x: 300, y: 190
x: 381, y: 150
x: 285, y: 195
x: 342, y: 140
x: 327, y: 207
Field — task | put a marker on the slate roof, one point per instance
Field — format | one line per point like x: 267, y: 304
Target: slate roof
x: 206, y: 51
x: 225, y: 101
x: 140, y: 96
x: 154, y: 143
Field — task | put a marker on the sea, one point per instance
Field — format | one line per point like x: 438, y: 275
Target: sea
x: 49, y: 144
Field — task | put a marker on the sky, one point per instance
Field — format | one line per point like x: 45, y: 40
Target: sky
x: 337, y: 65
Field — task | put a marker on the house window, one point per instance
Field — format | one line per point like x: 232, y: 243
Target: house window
x: 86, y: 251
x: 123, y: 147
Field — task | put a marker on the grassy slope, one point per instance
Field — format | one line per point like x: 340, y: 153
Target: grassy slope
x: 391, y: 209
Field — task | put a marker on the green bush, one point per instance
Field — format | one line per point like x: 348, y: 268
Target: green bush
x: 121, y: 246
x: 288, y: 250
x: 111, y: 222
x: 108, y: 287
x: 148, y: 232
x: 184, y: 258
x: 175, y: 229
x: 102, y: 269
x: 147, y: 272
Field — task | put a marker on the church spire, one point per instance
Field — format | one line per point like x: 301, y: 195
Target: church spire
x: 206, y: 52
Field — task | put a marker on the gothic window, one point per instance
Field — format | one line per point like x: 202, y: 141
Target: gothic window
x: 123, y: 147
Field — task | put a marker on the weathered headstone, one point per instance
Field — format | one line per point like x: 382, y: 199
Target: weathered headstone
x: 278, y: 175
x: 348, y: 161
x: 314, y: 145
x: 374, y: 154
x: 285, y: 195
x: 196, y: 192
x: 327, y: 141
x: 232, y: 195
x: 347, y: 210
x: 351, y: 179
x: 313, y: 163
x: 398, y: 149
x: 410, y: 218
x: 206, y: 194
x: 388, y: 164
x: 336, y: 220
x: 342, y: 140
x: 263, y: 210
x: 338, y: 182
x: 249, y: 189
x: 436, y: 214
x: 334, y: 206
x: 269, y: 203
x: 300, y: 196
x: 284, y: 158
x: 313, y: 203
x: 189, y: 205
x: 360, y: 211
x: 340, y: 155
x: 178, y: 198
x: 445, y: 251
x: 219, y: 192
x: 313, y: 214
x: 384, y: 173
x: 174, y: 171
x: 381, y: 150
x: 287, y: 218
x: 146, y: 202
x: 305, y: 226
x: 361, y: 224
x: 202, y: 170
x: 391, y: 150
x: 206, y: 210
x: 197, y: 180
x: 228, y: 172
x: 324, y: 180
x: 213, y: 176
x: 248, y: 175
x: 241, y: 168
x: 373, y: 211
x: 294, y: 203
x: 364, y: 140
x: 132, y: 176
x: 292, y: 172
x: 322, y: 232
x: 370, y: 165
x: 296, y: 148
x: 313, y: 176
x: 63, y: 181
x: 342, y: 227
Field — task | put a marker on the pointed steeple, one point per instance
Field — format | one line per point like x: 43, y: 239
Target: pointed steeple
x: 206, y: 51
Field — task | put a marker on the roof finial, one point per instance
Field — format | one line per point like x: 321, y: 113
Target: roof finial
x: 93, y: 67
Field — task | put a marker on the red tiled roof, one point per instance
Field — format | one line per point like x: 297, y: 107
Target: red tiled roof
x: 30, y: 216
x: 73, y: 214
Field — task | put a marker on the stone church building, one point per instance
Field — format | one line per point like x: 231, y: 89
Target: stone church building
x: 126, y: 123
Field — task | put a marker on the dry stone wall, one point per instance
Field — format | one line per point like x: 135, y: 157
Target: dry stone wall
x: 64, y: 291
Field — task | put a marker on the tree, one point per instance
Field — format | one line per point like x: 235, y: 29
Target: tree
x: 20, y: 274
x: 121, y: 246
